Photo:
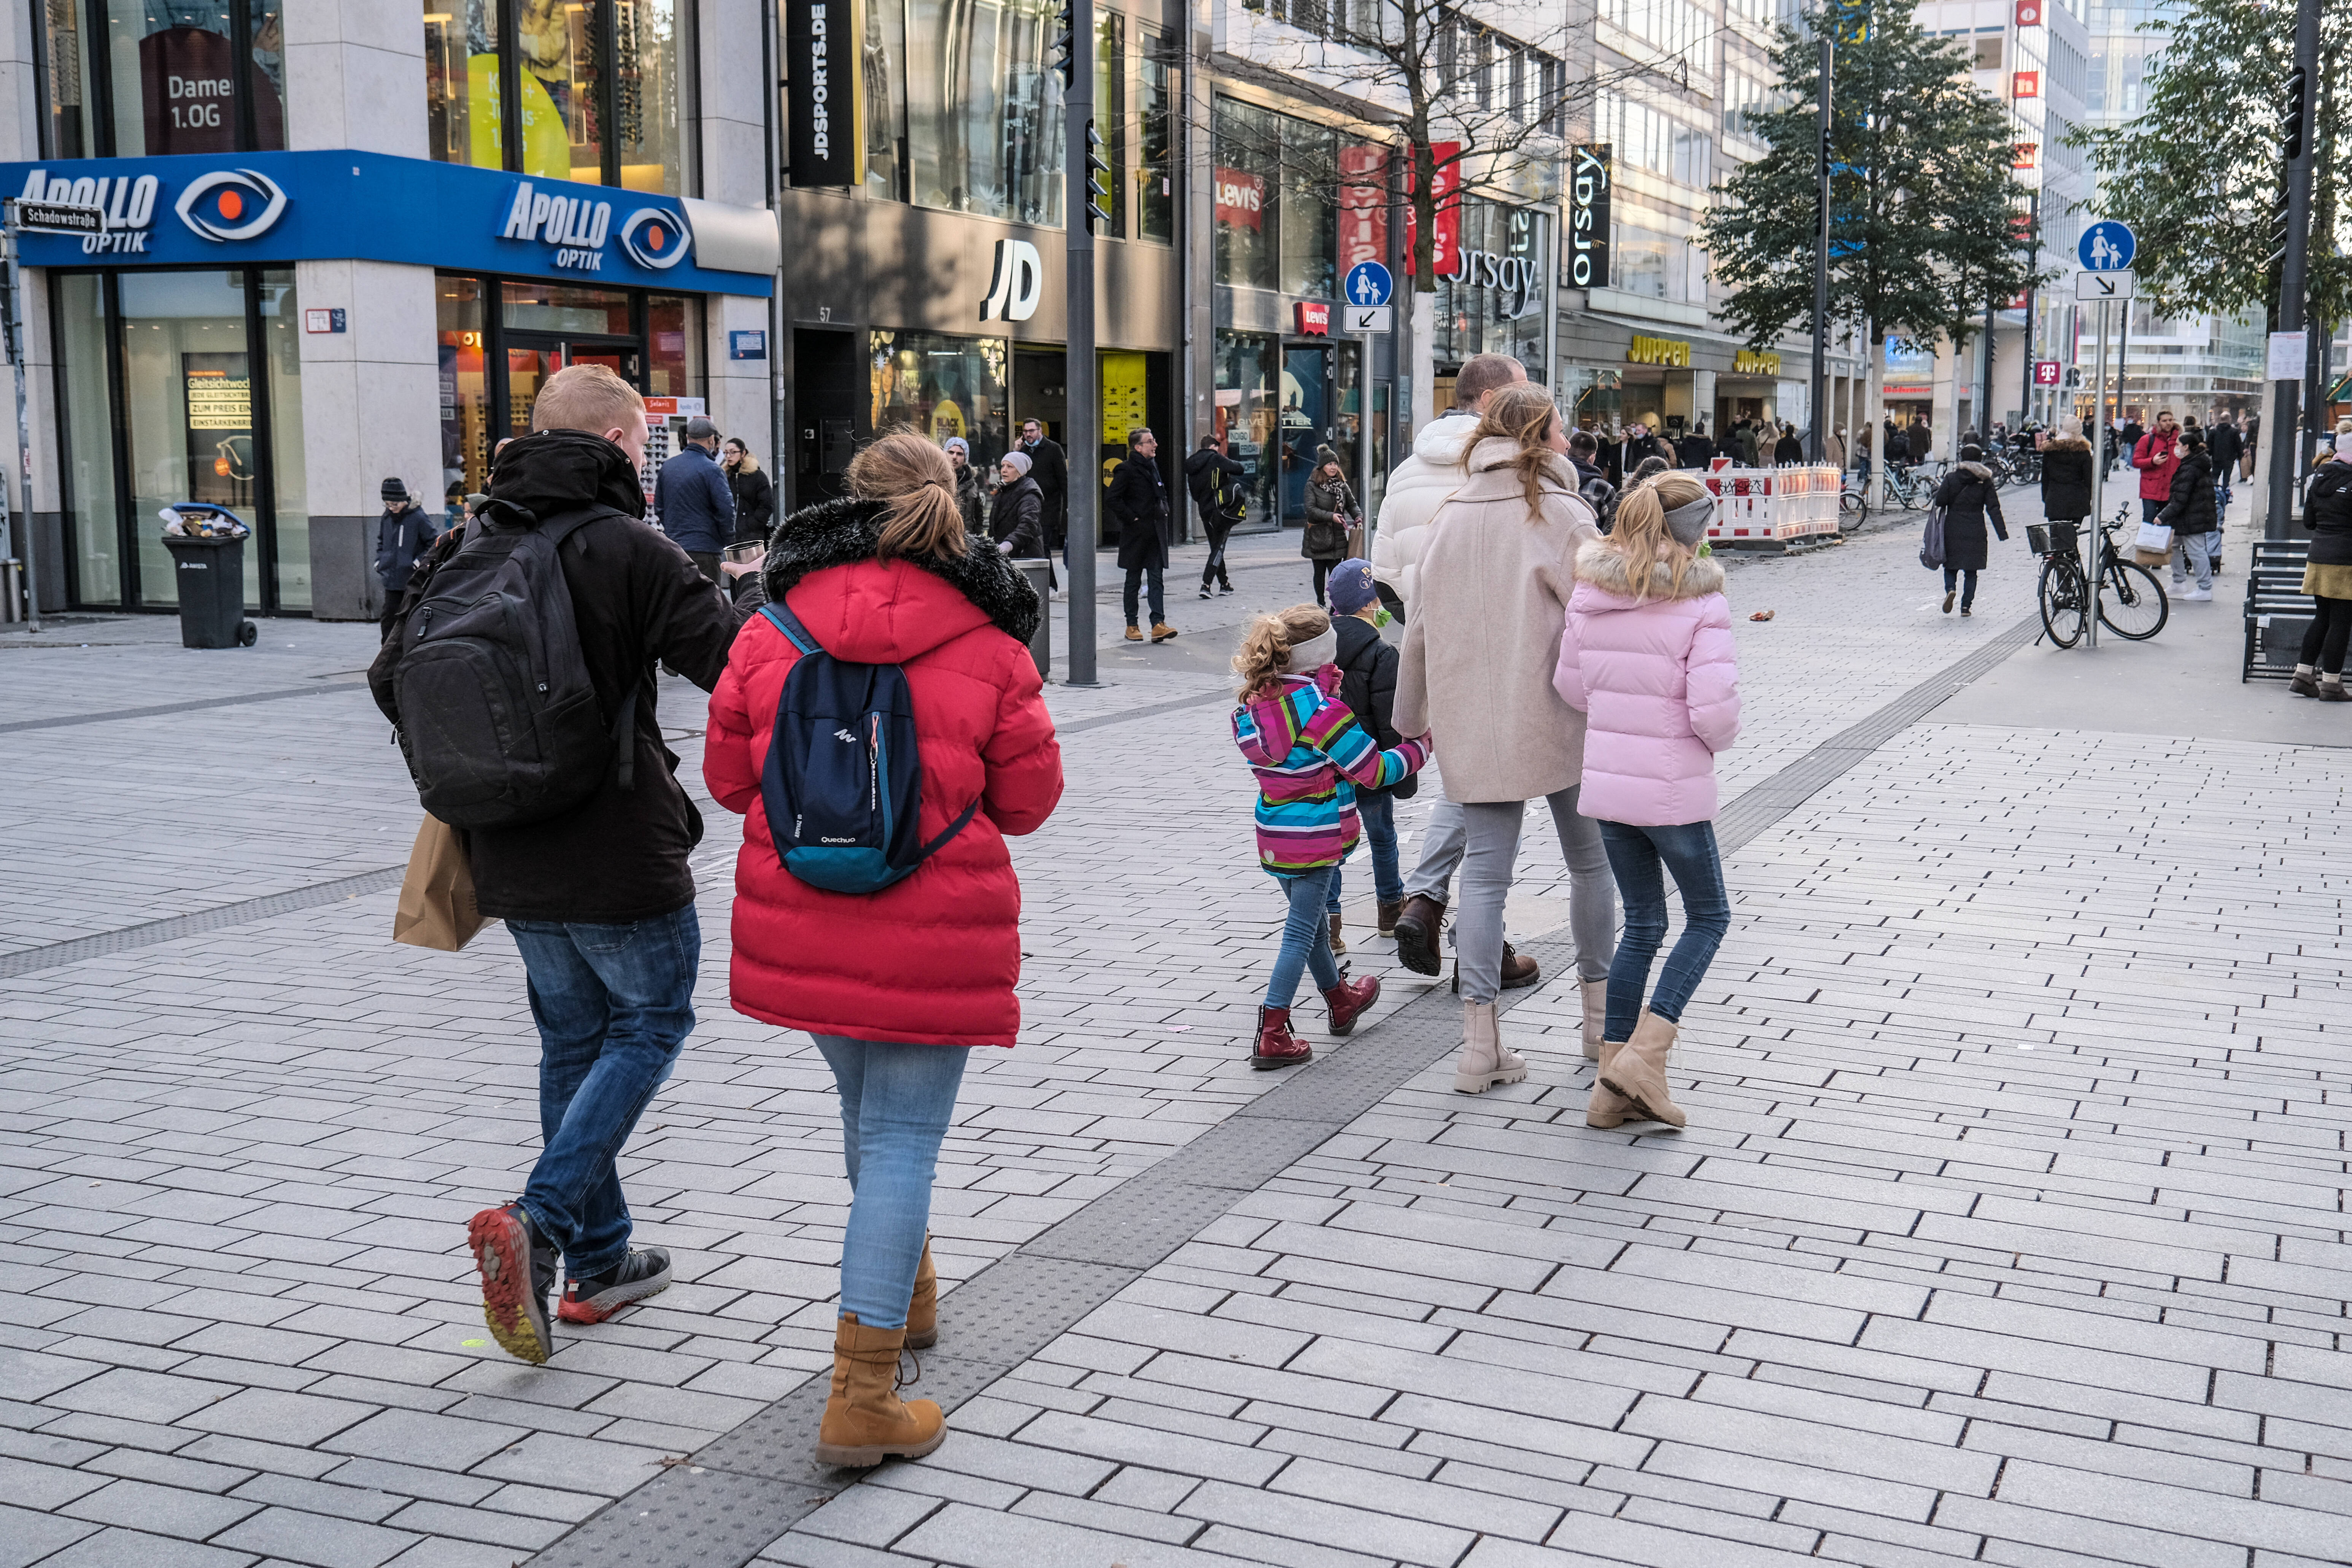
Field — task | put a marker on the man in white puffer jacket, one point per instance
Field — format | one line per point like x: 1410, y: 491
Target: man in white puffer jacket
x: 1419, y: 485
x: 1417, y: 488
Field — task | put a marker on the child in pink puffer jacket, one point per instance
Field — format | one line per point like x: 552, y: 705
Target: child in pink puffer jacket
x: 1647, y: 657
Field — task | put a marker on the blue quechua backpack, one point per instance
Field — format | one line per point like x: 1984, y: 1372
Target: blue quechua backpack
x: 844, y: 778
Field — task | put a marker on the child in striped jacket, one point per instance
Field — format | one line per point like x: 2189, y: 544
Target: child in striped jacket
x: 1309, y: 753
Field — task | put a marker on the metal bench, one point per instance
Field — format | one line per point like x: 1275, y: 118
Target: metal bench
x: 2278, y: 612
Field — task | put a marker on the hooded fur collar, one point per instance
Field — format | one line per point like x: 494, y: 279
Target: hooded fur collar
x: 2067, y: 443
x: 1605, y: 567
x: 843, y: 532
x: 1979, y: 469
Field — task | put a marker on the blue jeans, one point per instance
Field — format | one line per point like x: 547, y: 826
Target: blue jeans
x: 1635, y: 855
x: 1306, y: 937
x: 896, y: 1102
x: 1954, y: 577
x: 613, y: 1004
x: 1378, y: 813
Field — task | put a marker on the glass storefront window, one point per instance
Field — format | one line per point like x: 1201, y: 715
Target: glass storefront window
x: 883, y: 61
x: 86, y: 437
x: 1498, y: 308
x: 1111, y: 113
x: 941, y: 386
x: 674, y: 346
x: 130, y: 78
x: 602, y: 89
x: 1248, y: 416
x: 983, y: 109
x: 1155, y: 172
x: 67, y: 62
x: 540, y: 307
x: 289, y: 502
x: 465, y: 387
x: 1309, y: 215
x: 1248, y: 174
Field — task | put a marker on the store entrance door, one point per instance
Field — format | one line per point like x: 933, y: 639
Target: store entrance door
x: 1320, y: 408
x: 532, y: 357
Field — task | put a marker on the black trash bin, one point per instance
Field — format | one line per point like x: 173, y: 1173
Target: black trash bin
x: 211, y: 576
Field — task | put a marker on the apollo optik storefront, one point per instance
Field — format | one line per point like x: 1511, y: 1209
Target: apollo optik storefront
x: 180, y: 332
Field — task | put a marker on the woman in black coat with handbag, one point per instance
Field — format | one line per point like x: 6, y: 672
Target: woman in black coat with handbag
x: 1971, y: 498
x: 2194, y: 519
x: 1330, y: 513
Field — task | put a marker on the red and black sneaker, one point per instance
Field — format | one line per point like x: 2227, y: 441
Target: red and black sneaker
x: 644, y: 1272
x: 518, y: 1273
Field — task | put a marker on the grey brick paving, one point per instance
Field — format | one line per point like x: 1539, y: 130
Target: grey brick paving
x: 1906, y: 1291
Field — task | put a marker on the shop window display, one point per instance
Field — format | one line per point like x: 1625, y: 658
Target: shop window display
x: 1276, y: 181
x: 1248, y: 416
x: 1155, y: 174
x: 983, y: 109
x: 129, y: 78
x: 942, y: 385
x: 83, y: 327
x: 673, y: 346
x: 465, y: 388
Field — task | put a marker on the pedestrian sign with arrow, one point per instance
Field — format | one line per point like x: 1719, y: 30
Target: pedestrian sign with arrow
x: 2095, y: 287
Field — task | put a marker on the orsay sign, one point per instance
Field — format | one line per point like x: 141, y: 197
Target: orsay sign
x: 1588, y: 216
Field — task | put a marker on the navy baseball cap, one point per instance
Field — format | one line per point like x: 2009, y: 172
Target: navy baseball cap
x: 1350, y: 586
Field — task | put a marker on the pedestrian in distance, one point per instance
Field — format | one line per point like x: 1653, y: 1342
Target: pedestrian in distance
x: 1695, y: 450
x: 2156, y: 454
x: 1835, y: 453
x: 2226, y: 443
x: 1137, y: 497
x: 1920, y: 441
x: 1649, y: 469
x: 1214, y: 476
x: 2327, y: 574
x: 1647, y: 653
x: 754, y: 492
x: 2189, y: 512
x: 1638, y: 444
x: 895, y: 985
x: 1971, y: 498
x: 1311, y: 754
x: 1479, y: 650
x: 1787, y: 449
x: 1368, y: 671
x: 2067, y: 475
x: 1417, y: 489
x: 593, y: 883
x: 2253, y: 440
x: 971, y: 500
x: 1051, y: 470
x: 1736, y: 440
x: 692, y: 501
x: 1016, y: 512
x: 402, y: 534
x: 1331, y: 513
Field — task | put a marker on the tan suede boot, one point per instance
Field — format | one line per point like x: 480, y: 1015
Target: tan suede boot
x: 1605, y: 1108
x: 923, y: 1308
x: 1596, y: 1016
x: 1485, y: 1063
x: 865, y: 1421
x: 1638, y: 1070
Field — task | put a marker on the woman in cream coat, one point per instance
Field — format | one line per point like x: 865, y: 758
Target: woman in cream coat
x: 1479, y: 650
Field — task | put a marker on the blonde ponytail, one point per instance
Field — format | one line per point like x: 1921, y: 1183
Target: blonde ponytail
x: 918, y: 482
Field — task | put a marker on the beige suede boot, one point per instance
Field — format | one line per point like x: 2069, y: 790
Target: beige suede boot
x: 1485, y: 1063
x: 865, y: 1421
x: 1605, y: 1108
x: 1596, y: 1016
x: 923, y: 1306
x: 1638, y: 1070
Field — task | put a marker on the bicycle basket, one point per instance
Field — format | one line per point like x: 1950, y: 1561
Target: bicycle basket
x: 2037, y: 538
x: 2063, y: 539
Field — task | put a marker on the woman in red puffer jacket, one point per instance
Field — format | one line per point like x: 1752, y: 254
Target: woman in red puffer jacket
x: 892, y: 985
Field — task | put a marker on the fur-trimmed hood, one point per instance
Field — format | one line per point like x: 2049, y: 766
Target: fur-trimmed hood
x: 2066, y: 444
x: 845, y: 533
x: 1605, y: 566
x: 1979, y: 469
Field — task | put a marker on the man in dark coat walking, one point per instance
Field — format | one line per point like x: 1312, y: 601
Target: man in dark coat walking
x: 1213, y: 477
x: 2224, y: 442
x: 401, y: 535
x: 1696, y: 452
x: 1921, y: 441
x: 1051, y: 470
x: 1138, y: 499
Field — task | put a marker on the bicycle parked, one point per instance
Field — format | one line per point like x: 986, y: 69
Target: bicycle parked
x: 2132, y: 603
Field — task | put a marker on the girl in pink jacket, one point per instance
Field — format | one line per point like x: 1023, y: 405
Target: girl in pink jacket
x: 1647, y: 657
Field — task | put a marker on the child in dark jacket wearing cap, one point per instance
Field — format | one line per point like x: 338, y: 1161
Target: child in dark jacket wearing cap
x: 1368, y: 671
x: 401, y: 535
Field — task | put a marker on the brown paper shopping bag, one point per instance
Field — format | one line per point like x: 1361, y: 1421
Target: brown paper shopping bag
x: 436, y: 901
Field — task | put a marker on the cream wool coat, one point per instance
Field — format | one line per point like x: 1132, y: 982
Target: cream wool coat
x: 1482, y: 634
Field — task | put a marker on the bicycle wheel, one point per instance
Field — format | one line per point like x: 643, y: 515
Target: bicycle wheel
x: 2062, y: 596
x: 2132, y: 603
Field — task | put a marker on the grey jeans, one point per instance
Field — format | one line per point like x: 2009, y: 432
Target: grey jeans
x: 1489, y: 855
x: 1441, y: 852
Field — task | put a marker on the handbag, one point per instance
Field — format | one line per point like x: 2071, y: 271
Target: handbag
x: 1931, y: 540
x: 436, y: 908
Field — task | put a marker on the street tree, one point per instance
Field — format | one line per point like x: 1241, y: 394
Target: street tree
x: 2198, y: 172
x: 1928, y: 221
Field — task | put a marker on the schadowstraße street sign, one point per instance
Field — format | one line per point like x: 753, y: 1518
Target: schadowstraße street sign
x: 56, y: 217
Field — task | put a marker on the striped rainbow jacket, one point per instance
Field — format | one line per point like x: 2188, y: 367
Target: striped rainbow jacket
x: 1309, y: 753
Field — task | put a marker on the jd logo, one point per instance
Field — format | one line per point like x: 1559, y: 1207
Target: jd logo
x: 1017, y: 284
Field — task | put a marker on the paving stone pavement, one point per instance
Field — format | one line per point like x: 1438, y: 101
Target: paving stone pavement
x: 1906, y: 1291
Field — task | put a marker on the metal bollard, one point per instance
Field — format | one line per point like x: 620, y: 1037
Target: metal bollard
x: 1040, y: 572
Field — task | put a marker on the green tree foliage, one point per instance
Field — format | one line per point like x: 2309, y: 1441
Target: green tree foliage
x: 1926, y: 216
x: 2197, y: 173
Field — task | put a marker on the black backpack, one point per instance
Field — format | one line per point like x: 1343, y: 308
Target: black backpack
x: 498, y: 718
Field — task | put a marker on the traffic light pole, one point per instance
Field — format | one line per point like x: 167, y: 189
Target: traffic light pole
x: 20, y: 532
x: 2287, y: 441
x: 1081, y: 404
x: 1821, y: 393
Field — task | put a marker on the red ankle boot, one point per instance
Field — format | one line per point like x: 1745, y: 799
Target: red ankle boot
x: 1349, y: 999
x: 1277, y: 1046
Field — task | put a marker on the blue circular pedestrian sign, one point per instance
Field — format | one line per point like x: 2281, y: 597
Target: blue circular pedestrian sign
x: 2108, y: 247
x: 1368, y: 283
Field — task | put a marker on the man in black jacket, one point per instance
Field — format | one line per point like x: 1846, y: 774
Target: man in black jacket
x: 1694, y: 450
x: 1211, y: 476
x: 1137, y: 497
x: 2225, y: 442
x: 402, y: 534
x: 1051, y: 470
x: 599, y: 899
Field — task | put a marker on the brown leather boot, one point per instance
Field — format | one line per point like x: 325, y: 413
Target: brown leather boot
x: 1277, y: 1046
x: 1605, y: 1108
x: 1338, y: 946
x: 923, y: 1309
x: 864, y: 1420
x: 1596, y: 1016
x: 1135, y: 634
x: 1349, y: 999
x: 1161, y: 631
x: 1483, y: 1062
x: 1638, y: 1071
x: 1417, y: 925
x: 1520, y: 971
x: 1386, y: 922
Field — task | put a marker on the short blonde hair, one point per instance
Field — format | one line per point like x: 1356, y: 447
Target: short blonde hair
x: 588, y: 397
